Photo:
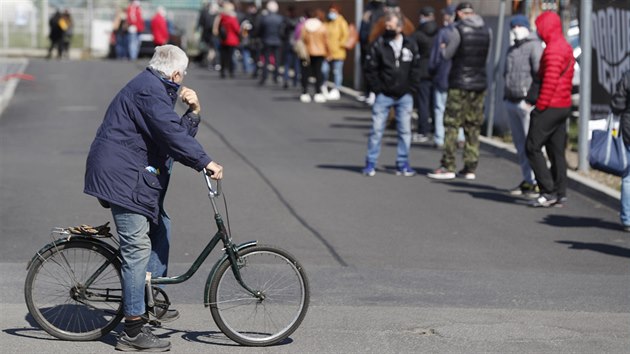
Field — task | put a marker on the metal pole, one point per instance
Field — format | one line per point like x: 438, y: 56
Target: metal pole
x: 496, y: 73
x: 586, y: 8
x: 358, y: 15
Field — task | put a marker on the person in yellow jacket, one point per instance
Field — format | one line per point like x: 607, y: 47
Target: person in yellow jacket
x: 314, y: 35
x: 337, y: 28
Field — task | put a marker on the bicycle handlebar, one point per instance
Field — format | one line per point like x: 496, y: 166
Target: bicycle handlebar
x: 214, y: 192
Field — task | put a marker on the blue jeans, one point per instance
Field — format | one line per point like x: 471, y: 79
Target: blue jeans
x: 144, y: 248
x: 133, y: 40
x: 291, y: 61
x: 337, y: 69
x: 380, y: 110
x: 246, y: 57
x: 439, y: 106
x: 518, y: 117
x: 625, y: 197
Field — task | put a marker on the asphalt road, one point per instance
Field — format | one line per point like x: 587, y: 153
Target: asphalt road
x: 397, y: 265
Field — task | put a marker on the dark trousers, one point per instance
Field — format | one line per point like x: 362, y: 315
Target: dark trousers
x: 269, y: 50
x: 227, y: 52
x: 314, y: 68
x: 548, y: 128
x: 425, y: 106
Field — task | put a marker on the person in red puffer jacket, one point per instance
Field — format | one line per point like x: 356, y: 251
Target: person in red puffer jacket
x: 552, y: 108
x: 227, y: 28
x: 159, y: 27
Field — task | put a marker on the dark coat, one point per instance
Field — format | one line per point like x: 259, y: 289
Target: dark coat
x: 424, y: 36
x: 270, y: 29
x: 389, y: 76
x: 620, y: 104
x: 141, y: 130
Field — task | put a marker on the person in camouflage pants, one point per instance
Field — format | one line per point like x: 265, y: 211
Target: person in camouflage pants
x: 463, y: 109
x: 467, y: 45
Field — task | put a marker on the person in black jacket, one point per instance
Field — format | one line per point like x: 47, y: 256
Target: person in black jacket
x: 393, y: 73
x: 269, y: 32
x: 620, y: 104
x: 424, y: 36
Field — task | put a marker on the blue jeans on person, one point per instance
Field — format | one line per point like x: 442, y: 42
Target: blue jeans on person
x: 625, y: 196
x: 246, y: 57
x: 337, y: 69
x: 380, y: 111
x: 518, y: 117
x: 439, y: 106
x: 144, y: 248
x: 133, y: 40
x: 291, y: 61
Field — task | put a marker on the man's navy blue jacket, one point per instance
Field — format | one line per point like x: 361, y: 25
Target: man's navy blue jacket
x: 130, y: 160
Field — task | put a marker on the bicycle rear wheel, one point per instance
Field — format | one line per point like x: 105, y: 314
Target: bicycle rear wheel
x: 249, y: 320
x: 59, y: 301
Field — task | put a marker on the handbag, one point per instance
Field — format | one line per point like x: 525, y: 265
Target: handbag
x: 608, y: 153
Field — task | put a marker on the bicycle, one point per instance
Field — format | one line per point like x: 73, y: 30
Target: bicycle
x: 258, y: 295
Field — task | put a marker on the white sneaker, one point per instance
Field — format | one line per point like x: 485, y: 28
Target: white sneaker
x: 333, y: 95
x: 324, y: 90
x: 305, y: 98
x: 371, y: 99
x: 319, y: 98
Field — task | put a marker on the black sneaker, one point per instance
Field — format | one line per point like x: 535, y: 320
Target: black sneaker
x: 526, y: 189
x: 145, y: 341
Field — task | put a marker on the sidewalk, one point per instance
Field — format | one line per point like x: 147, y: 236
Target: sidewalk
x: 584, y: 185
x: 8, y: 67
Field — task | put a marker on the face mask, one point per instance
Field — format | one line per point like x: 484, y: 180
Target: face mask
x: 389, y: 34
x: 519, y: 33
x: 332, y: 16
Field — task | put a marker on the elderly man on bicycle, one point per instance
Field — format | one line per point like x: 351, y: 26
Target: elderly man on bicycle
x: 128, y: 169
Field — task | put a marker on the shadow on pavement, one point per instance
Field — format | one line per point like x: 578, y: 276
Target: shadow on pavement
x: 210, y: 337
x: 598, y: 247
x: 579, y: 221
x: 487, y: 192
x: 350, y: 168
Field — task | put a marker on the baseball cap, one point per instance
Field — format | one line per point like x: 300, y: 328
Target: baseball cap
x: 464, y: 6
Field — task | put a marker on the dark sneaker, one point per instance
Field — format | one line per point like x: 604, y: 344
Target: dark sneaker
x: 169, y: 316
x: 560, y: 203
x: 466, y: 174
x: 143, y: 342
x: 526, y: 189
x: 441, y: 173
x: 369, y: 169
x: 544, y: 201
x: 405, y: 170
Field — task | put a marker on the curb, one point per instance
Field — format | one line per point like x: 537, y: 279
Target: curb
x: 605, y: 195
x: 8, y: 89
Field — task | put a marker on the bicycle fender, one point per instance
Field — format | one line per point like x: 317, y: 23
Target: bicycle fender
x: 65, y: 240
x: 206, y: 295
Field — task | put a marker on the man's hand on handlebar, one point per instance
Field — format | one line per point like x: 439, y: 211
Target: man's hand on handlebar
x: 215, y: 171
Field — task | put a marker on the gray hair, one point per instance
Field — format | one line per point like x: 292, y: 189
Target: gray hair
x: 168, y: 59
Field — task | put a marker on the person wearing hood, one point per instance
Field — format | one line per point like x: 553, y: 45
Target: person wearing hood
x: 315, y: 37
x: 548, y: 121
x: 128, y: 170
x: 424, y: 36
x: 227, y: 28
x: 468, y: 44
x: 521, y: 67
x: 393, y: 72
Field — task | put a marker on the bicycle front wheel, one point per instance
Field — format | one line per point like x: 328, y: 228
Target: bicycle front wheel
x: 74, y: 291
x: 267, y: 319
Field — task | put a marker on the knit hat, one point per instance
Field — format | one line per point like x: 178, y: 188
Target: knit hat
x: 449, y: 10
x: 464, y: 6
x: 427, y: 11
x: 519, y: 20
